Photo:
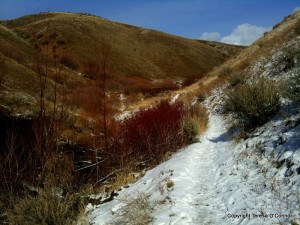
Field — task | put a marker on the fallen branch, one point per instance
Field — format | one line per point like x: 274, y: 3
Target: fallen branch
x: 89, y: 166
x: 107, y: 176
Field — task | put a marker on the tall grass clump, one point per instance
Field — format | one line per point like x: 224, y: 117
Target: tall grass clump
x: 194, y: 123
x: 46, y: 209
x: 137, y: 211
x: 254, y: 102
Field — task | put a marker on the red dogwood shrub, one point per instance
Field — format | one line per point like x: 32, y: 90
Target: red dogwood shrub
x: 150, y: 133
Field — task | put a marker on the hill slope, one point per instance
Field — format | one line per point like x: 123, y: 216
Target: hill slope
x: 135, y: 51
x: 264, y: 48
x: 229, y: 177
x: 72, y: 42
x: 19, y: 81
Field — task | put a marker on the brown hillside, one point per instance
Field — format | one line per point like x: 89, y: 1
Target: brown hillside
x: 136, y: 52
x: 283, y: 32
x: 19, y: 83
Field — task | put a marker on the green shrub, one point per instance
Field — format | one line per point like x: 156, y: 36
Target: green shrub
x: 287, y: 59
x: 255, y: 102
x: 239, y: 78
x: 297, y: 28
x: 190, y: 131
x: 297, y: 58
x: 293, y: 87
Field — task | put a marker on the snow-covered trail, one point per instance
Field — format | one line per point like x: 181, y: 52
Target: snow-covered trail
x: 194, y: 198
x: 214, y: 148
x: 195, y: 177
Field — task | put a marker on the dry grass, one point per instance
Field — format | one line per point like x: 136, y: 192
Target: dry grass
x: 129, y: 43
x: 46, y: 209
x: 123, y: 177
x: 147, y: 64
x: 137, y: 211
x: 262, y: 48
x: 170, y: 184
x: 237, y: 65
x: 199, y: 115
x: 149, y: 53
x: 59, y: 171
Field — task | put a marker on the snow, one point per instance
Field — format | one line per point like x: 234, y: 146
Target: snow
x: 124, y: 115
x: 221, y: 179
x: 190, y: 170
x: 173, y: 100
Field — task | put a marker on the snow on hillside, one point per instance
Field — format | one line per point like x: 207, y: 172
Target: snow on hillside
x: 189, y: 170
x: 221, y: 179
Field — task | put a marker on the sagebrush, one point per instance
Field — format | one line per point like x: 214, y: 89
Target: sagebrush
x: 293, y: 87
x: 254, y: 102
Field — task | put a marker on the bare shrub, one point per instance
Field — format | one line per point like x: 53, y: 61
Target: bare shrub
x: 152, y: 132
x: 59, y: 171
x: 255, y: 102
x: 15, y: 153
x: 12, y: 166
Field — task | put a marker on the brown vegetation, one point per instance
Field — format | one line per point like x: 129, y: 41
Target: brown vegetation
x: 150, y: 54
x: 254, y: 102
x: 151, y: 133
x: 72, y: 138
x: 2, y: 69
x: 46, y: 208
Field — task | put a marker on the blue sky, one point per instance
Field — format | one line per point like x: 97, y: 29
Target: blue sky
x: 232, y: 21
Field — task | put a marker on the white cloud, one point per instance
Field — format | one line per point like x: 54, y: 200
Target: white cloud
x: 214, y: 36
x: 243, y: 34
x: 296, y: 9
